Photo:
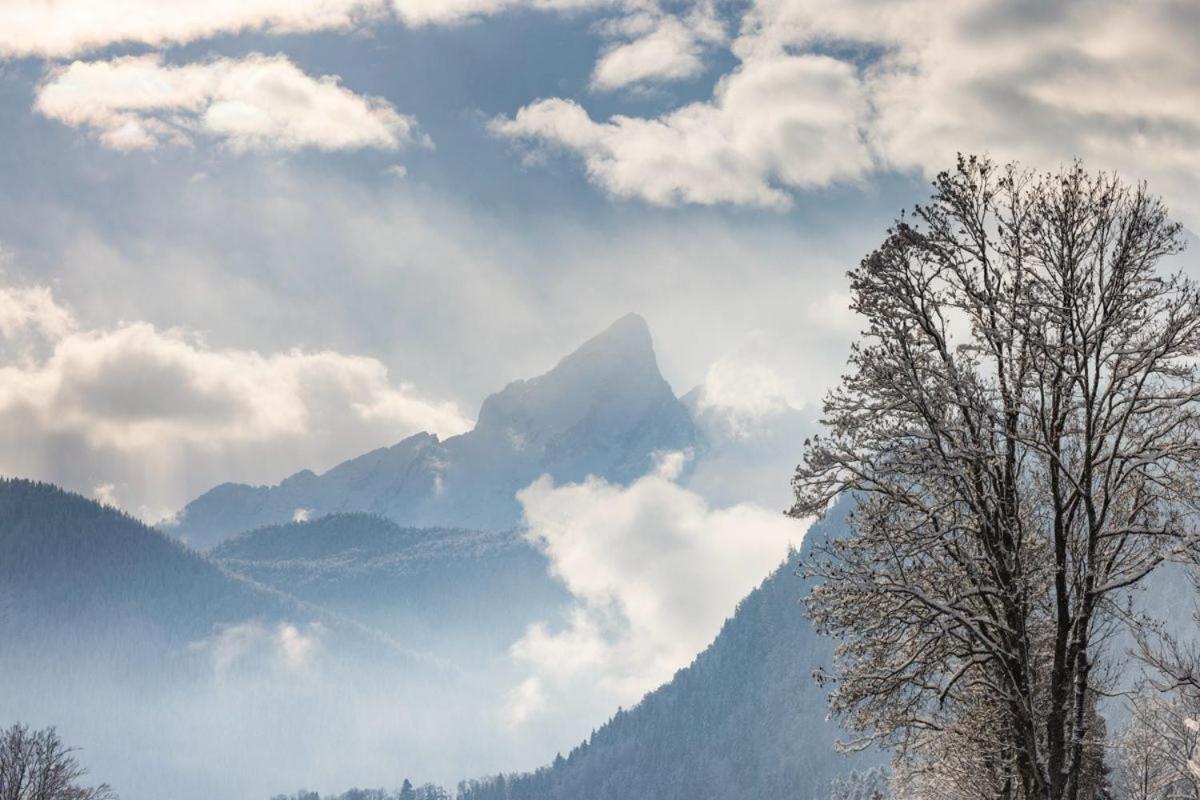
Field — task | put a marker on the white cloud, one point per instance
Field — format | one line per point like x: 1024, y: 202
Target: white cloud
x: 257, y: 102
x: 653, y: 46
x: 773, y: 125
x: 1111, y: 82
x: 106, y: 494
x: 753, y: 386
x: 754, y: 409
x: 134, y: 387
x: 297, y: 646
x: 302, y: 515
x: 164, y: 401
x: 654, y: 571
x: 913, y: 83
x: 59, y: 28
x: 31, y: 309
x: 417, y: 13
x: 253, y: 642
x: 66, y: 28
x: 743, y: 393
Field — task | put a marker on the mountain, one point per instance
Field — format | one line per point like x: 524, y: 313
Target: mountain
x: 73, y: 572
x: 604, y: 410
x: 69, y: 565
x: 187, y: 681
x: 744, y: 720
x: 456, y: 592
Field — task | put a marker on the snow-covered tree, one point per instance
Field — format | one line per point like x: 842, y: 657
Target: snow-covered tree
x: 871, y: 784
x: 1157, y: 752
x: 1019, y: 430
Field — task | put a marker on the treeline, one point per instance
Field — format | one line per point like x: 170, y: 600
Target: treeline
x: 407, y: 791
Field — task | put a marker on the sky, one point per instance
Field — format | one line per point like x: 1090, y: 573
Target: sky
x: 244, y: 238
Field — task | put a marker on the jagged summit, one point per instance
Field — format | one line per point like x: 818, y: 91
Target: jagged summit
x: 613, y: 373
x: 603, y: 410
x: 625, y: 343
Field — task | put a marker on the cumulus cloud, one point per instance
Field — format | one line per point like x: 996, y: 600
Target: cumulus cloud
x: 29, y: 318
x: 742, y: 393
x: 257, y: 102
x: 1107, y: 81
x: 134, y: 386
x: 909, y: 84
x: 32, y: 310
x: 752, y: 385
x: 653, y: 46
x: 67, y: 27
x: 164, y: 401
x: 654, y: 571
x: 773, y: 125
x: 417, y: 13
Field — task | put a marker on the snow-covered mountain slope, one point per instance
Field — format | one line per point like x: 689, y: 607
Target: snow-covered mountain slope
x: 604, y: 410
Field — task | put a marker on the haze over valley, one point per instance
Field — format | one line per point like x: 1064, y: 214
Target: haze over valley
x: 599, y: 400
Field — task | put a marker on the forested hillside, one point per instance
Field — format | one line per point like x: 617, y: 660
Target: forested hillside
x: 70, y: 567
x: 445, y: 589
x: 744, y: 720
x: 104, y: 591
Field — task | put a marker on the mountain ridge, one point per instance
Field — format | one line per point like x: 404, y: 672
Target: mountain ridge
x: 602, y: 410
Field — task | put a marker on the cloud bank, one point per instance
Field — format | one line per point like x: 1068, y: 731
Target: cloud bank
x: 254, y: 103
x: 655, y: 571
x: 749, y: 145
x: 162, y: 403
x: 417, y: 13
x: 67, y: 27
x: 830, y: 92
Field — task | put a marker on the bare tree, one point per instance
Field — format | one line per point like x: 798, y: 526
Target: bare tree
x: 1018, y: 429
x: 36, y: 765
